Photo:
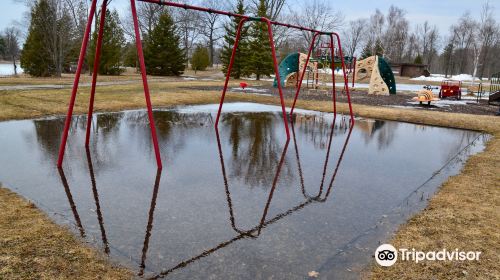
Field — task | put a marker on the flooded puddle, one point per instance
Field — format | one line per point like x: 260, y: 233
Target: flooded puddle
x: 240, y: 204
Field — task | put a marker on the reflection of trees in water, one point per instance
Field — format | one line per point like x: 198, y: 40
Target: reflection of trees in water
x: 107, y: 125
x: 172, y: 127
x: 255, y: 148
x: 383, y: 132
x: 317, y: 128
x: 48, y: 134
x: 465, y: 137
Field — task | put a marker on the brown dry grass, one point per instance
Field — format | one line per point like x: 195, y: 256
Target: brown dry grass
x: 463, y: 214
x: 34, y: 247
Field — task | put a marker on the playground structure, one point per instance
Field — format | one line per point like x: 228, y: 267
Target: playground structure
x: 379, y: 74
x: 317, y: 68
x: 494, y: 98
x: 450, y: 88
x: 426, y: 95
x: 142, y: 65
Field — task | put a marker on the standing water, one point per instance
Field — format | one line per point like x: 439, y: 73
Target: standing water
x: 238, y: 204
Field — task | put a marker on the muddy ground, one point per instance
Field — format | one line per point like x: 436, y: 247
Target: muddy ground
x: 400, y: 100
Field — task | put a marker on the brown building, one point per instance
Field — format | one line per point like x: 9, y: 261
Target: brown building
x: 410, y: 70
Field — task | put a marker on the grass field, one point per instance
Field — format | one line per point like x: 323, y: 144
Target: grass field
x: 463, y: 214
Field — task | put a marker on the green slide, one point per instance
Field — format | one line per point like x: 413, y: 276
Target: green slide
x: 387, y: 75
x: 288, y: 65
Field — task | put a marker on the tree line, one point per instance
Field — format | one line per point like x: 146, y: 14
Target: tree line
x: 174, y: 39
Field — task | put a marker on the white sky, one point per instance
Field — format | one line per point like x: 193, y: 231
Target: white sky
x: 442, y: 13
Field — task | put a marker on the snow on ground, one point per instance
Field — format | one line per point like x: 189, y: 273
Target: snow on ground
x: 329, y: 71
x: 189, y: 78
x: 441, y: 77
x: 399, y: 87
x: 250, y: 89
x: 237, y: 107
x: 262, y: 79
x: 8, y: 69
x: 444, y: 103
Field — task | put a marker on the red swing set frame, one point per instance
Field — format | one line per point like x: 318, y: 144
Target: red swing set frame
x: 142, y: 66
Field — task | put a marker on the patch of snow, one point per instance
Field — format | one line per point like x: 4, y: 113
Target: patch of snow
x: 8, y: 69
x: 189, y: 78
x: 441, y: 77
x: 403, y: 107
x: 444, y: 103
x: 250, y: 89
x: 237, y: 107
x: 209, y: 79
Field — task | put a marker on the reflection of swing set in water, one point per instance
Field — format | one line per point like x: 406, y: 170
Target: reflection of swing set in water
x: 242, y: 234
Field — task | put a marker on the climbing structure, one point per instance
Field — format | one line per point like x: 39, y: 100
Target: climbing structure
x: 378, y: 72
x: 290, y: 69
x: 318, y: 67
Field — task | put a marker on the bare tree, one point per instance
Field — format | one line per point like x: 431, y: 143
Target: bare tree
x: 487, y: 37
x: 273, y: 7
x: 79, y: 11
x: 147, y: 17
x: 212, y: 25
x: 317, y: 14
x: 463, y: 33
x: 427, y: 37
x: 377, y: 21
x: 11, y: 38
x: 353, y: 35
x: 189, y: 26
x: 396, y: 34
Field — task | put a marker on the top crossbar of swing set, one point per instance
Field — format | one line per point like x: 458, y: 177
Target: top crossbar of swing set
x: 213, y: 11
x: 142, y: 65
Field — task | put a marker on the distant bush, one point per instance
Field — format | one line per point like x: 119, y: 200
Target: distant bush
x: 200, y: 59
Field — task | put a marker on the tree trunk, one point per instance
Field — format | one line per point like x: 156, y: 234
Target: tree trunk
x: 211, y: 47
x: 15, y: 66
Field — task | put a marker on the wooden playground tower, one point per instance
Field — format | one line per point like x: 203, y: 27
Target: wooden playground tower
x: 142, y: 65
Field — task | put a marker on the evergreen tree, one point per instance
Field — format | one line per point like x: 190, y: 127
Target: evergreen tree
x: 130, y: 58
x: 112, y: 43
x: 447, y: 58
x: 379, y: 49
x: 2, y: 47
x: 240, y: 62
x: 367, y: 50
x: 162, y: 50
x: 35, y: 57
x: 260, y: 59
x: 50, y: 37
x: 418, y: 59
x: 200, y: 59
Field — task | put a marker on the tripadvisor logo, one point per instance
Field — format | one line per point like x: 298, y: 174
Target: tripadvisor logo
x: 387, y: 255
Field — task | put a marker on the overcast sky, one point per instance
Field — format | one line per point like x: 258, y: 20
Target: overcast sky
x: 441, y: 13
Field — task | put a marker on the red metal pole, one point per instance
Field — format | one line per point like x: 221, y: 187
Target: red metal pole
x: 97, y: 60
x: 71, y: 105
x: 332, y: 66
x: 145, y: 84
x: 229, y: 68
x: 299, y: 81
x: 278, y: 78
x: 345, y: 77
